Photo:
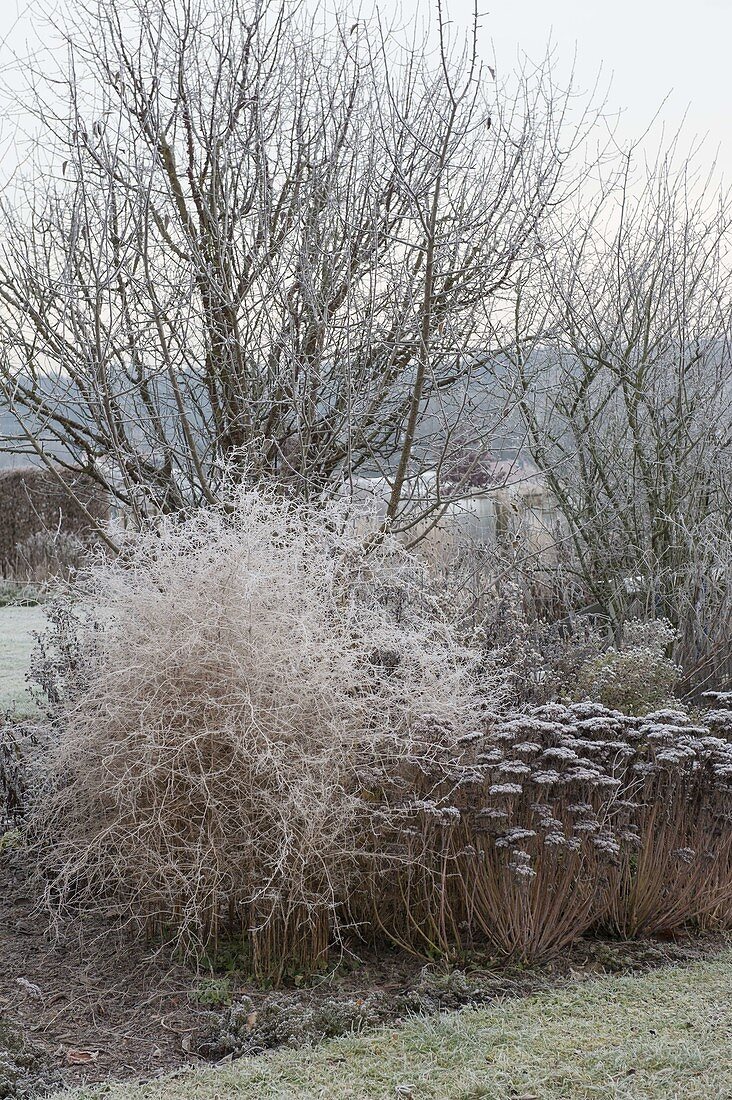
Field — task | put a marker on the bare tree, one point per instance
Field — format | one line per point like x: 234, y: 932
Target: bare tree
x: 627, y: 399
x: 270, y: 243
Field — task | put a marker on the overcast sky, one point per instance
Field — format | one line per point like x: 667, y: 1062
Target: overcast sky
x: 650, y: 48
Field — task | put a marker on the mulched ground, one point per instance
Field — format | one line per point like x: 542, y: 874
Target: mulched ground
x: 107, y: 1007
x: 99, y: 1009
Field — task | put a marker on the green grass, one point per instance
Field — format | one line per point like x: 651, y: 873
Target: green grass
x: 16, y: 642
x: 665, y: 1035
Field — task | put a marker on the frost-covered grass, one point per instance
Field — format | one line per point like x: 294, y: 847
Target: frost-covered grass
x: 666, y: 1035
x: 17, y: 625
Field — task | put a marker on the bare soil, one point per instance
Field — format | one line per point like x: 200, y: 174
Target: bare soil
x: 99, y: 1008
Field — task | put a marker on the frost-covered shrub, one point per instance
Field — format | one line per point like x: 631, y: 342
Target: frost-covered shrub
x: 637, y: 677
x: 554, y: 819
x: 26, y: 1071
x: 538, y: 650
x: 506, y: 841
x: 236, y: 687
x: 681, y: 785
x: 640, y: 808
x: 59, y: 660
x: 295, y: 1018
x: 15, y: 593
x: 291, y: 1020
x: 522, y: 612
x: 48, y: 522
x: 50, y: 556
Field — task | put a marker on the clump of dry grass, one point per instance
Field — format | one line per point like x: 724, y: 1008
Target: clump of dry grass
x: 240, y: 682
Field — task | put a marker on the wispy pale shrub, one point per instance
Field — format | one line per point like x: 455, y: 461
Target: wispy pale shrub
x: 240, y: 684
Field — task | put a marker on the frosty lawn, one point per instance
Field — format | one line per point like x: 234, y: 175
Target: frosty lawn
x: 17, y: 625
x: 666, y: 1035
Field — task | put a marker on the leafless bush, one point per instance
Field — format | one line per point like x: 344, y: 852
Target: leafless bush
x: 57, y: 665
x: 627, y: 402
x: 534, y: 619
x: 524, y: 612
x: 245, y: 679
x: 704, y: 597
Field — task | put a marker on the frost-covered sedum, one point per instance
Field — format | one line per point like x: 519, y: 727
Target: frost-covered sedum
x: 243, y: 678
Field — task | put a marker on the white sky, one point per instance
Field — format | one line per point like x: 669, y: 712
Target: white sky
x: 650, y: 48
